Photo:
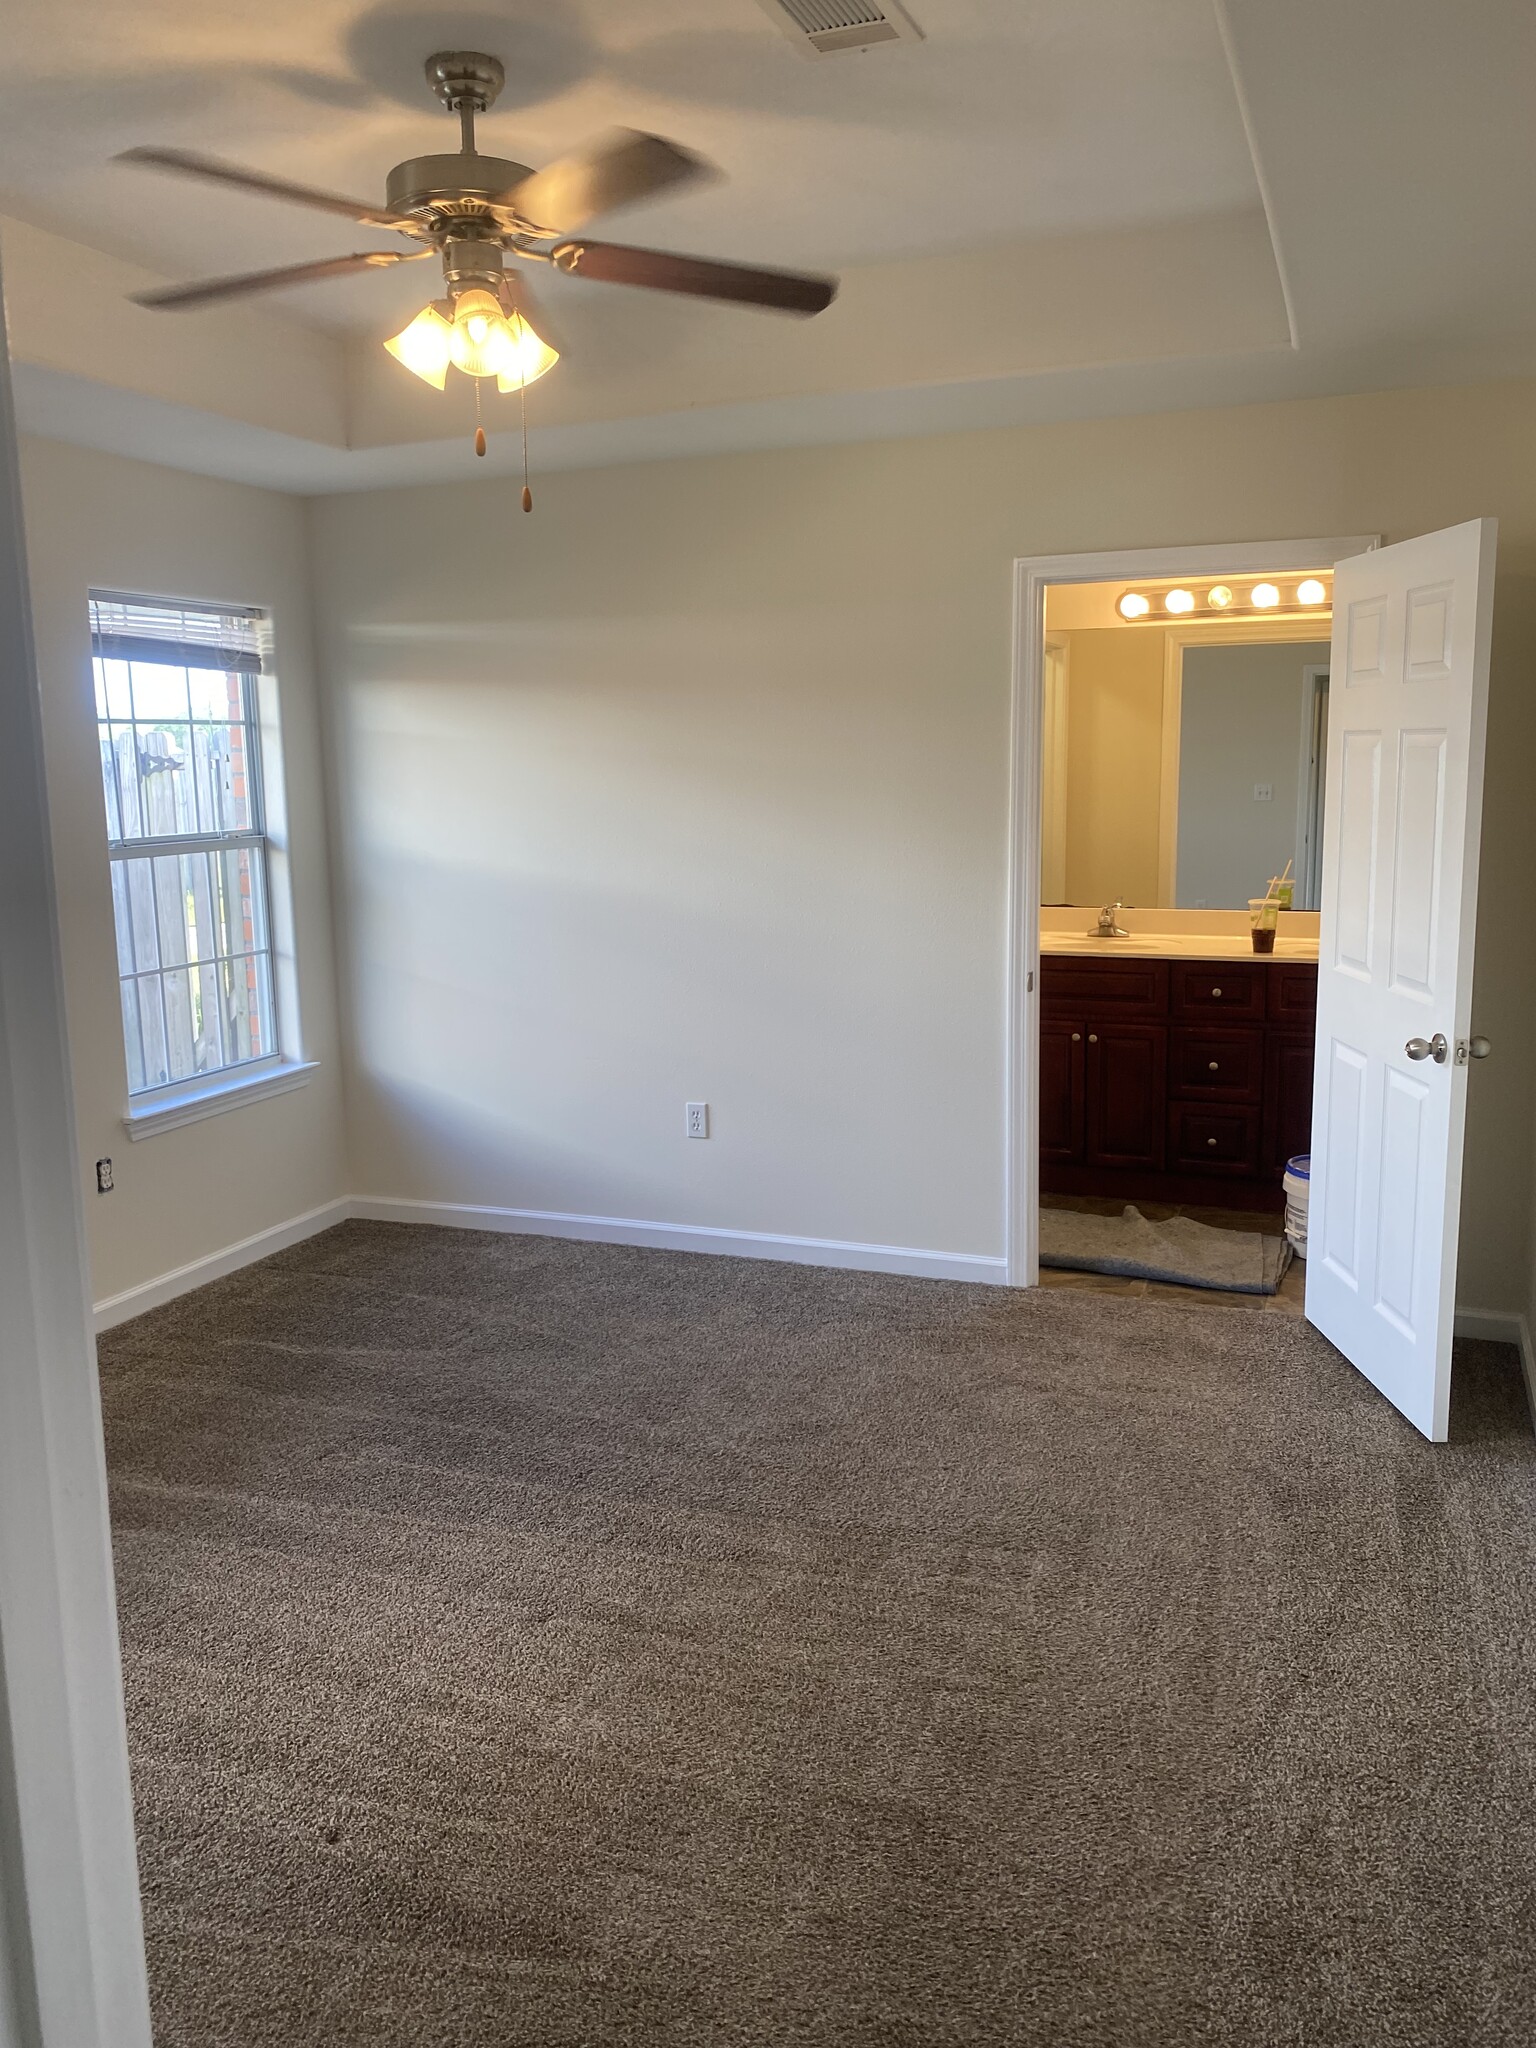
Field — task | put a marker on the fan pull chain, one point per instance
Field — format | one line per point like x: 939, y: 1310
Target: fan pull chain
x: 479, y: 430
x: 527, y: 494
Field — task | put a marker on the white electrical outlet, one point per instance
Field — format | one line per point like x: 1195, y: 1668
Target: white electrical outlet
x: 698, y: 1119
x: 1263, y: 792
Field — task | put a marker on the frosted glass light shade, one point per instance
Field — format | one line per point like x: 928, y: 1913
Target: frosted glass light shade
x: 423, y: 347
x: 480, y: 342
x: 530, y: 356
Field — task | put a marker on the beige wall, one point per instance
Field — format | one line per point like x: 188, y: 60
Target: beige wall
x: 99, y: 520
x: 694, y: 784
x: 1114, y: 764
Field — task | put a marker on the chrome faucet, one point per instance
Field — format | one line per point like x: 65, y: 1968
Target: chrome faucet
x: 1107, y: 928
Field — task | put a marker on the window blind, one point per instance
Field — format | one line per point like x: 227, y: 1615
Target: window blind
x: 177, y: 636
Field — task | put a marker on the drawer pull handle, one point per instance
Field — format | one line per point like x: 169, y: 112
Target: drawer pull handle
x: 1214, y: 1067
x: 1093, y: 1038
x: 1077, y: 1037
x: 1215, y: 991
x: 1210, y: 1141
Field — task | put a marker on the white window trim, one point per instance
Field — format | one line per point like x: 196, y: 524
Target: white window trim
x: 230, y: 1088
x: 151, y: 1112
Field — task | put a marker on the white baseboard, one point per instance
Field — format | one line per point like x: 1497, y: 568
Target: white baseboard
x: 687, y: 1237
x: 134, y: 1301
x: 1504, y: 1326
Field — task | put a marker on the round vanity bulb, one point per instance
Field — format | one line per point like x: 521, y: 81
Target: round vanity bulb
x: 1265, y: 595
x: 1179, y: 601
x: 1311, y: 592
x: 1133, y: 605
x: 1219, y: 596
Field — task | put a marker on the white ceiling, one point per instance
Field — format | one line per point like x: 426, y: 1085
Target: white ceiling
x: 1014, y: 119
x: 1046, y: 208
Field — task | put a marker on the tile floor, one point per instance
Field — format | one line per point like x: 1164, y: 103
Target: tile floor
x: 1289, y: 1301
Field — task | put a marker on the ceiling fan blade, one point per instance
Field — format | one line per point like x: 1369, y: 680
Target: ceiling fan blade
x: 189, y: 163
x: 175, y: 297
x: 785, y: 291
x: 615, y: 171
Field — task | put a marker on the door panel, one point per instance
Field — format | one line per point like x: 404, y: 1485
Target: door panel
x: 1287, y: 1101
x: 1127, y: 1091
x: 1401, y: 831
x: 1062, y: 1045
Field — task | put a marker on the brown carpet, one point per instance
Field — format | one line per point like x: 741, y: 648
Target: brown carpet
x: 538, y: 1643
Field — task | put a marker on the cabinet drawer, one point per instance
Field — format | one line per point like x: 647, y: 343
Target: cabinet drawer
x: 1219, y: 989
x: 1293, y: 996
x: 1117, y: 988
x: 1212, y: 1138
x: 1220, y: 1065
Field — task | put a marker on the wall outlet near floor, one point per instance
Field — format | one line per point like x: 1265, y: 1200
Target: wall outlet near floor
x: 103, y: 1176
x: 1263, y: 792
x: 698, y: 1119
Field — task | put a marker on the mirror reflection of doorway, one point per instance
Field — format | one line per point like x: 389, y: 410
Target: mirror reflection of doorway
x: 1181, y: 769
x: 1239, y: 797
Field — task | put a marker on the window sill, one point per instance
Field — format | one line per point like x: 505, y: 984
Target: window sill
x: 211, y: 1098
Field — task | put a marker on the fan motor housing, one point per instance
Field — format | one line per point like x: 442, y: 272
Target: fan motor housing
x: 471, y: 185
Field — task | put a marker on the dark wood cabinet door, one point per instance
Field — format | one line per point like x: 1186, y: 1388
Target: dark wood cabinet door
x: 1127, y: 1071
x: 1062, y: 1102
x: 1287, y: 1101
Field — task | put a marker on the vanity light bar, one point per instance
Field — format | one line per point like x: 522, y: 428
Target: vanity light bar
x: 1262, y: 598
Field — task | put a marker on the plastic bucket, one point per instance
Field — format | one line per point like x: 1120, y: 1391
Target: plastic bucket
x: 1298, y: 1190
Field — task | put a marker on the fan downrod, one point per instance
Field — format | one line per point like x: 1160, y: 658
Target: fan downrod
x: 468, y: 82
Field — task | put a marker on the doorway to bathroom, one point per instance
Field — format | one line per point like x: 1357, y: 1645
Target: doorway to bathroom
x: 1183, y: 724
x: 1172, y: 889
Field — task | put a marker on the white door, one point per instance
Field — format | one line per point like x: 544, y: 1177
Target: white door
x: 1402, y: 814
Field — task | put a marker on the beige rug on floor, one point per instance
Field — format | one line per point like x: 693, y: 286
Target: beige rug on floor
x: 1178, y: 1249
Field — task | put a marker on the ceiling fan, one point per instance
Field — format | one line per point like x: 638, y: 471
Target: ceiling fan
x: 472, y: 211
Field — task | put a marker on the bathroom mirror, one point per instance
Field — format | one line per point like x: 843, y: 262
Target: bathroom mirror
x: 1181, y: 769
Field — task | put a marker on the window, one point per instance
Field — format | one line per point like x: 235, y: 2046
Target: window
x: 181, y: 772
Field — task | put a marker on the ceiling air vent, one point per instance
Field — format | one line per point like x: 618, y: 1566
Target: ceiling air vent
x: 824, y: 28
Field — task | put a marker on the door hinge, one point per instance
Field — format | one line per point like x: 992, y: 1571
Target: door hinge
x: 1029, y: 983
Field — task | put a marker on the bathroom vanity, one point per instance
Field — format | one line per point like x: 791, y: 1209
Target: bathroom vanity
x: 1171, y: 1077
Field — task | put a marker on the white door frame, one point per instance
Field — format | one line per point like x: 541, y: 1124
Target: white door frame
x: 71, y: 1944
x: 1032, y: 575
x: 1309, y: 780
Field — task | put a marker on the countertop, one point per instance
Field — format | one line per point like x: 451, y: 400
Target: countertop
x: 1175, y: 946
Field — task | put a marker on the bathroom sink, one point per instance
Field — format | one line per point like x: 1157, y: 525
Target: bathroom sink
x: 1174, y: 946
x: 1090, y: 942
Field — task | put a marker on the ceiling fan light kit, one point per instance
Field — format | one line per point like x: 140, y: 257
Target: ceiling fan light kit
x: 472, y: 211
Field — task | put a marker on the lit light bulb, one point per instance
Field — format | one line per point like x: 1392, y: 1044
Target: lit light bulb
x: 1264, y: 596
x: 481, y: 342
x: 1311, y: 592
x: 1179, y: 601
x: 1219, y: 596
x: 531, y: 356
x: 423, y: 347
x: 1133, y: 605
